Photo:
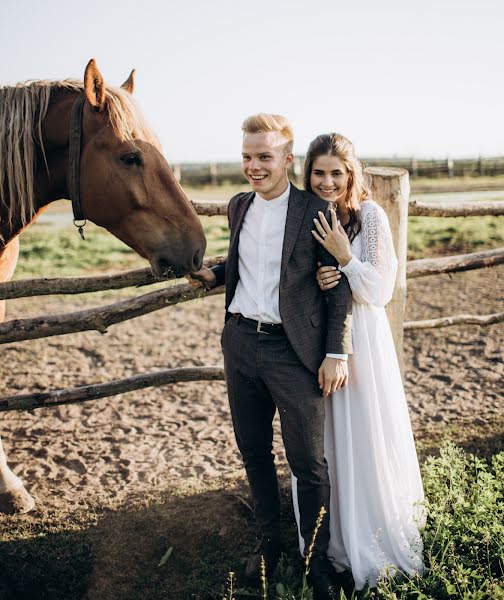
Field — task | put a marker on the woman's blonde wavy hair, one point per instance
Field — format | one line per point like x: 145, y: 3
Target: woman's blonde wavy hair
x: 335, y: 144
x: 22, y: 111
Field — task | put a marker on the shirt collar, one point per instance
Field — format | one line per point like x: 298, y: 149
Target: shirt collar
x: 279, y: 200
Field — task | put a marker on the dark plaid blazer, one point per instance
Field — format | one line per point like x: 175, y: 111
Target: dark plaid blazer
x: 315, y: 322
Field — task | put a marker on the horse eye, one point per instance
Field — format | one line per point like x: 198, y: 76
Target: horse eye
x: 131, y: 159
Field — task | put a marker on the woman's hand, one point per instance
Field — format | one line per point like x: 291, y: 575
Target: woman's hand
x: 334, y: 239
x: 327, y: 277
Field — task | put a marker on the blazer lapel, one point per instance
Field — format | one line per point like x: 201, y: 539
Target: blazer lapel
x: 232, y: 261
x: 239, y: 215
x: 295, y: 216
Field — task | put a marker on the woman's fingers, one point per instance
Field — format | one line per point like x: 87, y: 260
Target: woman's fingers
x: 334, y: 219
x: 324, y: 222
x: 318, y: 237
x: 320, y: 228
x: 330, y: 278
x: 329, y: 286
x: 326, y: 269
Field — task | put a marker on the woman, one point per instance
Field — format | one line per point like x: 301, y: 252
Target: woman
x: 376, y: 491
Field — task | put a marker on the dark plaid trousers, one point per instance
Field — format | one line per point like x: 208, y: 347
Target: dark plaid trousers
x: 263, y: 373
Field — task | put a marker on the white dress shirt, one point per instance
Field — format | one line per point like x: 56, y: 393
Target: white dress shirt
x: 259, y: 257
x: 259, y: 260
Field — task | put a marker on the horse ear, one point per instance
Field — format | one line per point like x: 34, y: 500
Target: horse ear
x: 129, y: 84
x: 94, y: 86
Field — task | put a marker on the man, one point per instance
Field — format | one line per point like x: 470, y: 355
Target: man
x: 285, y: 343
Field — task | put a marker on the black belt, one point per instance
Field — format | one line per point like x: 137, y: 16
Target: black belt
x: 267, y: 328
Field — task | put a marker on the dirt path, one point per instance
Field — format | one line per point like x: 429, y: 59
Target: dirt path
x: 102, y: 451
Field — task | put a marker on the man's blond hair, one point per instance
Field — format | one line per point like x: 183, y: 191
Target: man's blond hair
x: 264, y: 122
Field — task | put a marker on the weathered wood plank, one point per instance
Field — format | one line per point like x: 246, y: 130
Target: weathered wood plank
x: 95, y: 391
x: 455, y: 320
x: 458, y: 262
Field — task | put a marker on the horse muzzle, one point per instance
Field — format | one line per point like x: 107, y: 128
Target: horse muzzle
x: 167, y: 267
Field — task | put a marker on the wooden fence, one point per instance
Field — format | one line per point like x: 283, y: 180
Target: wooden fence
x: 390, y: 187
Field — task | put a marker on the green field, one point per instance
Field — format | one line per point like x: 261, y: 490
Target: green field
x: 52, y: 247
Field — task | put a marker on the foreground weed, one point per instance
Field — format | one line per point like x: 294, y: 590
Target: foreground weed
x: 230, y: 585
x: 463, y: 538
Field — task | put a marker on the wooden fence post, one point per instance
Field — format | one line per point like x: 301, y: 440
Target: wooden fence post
x: 214, y: 174
x: 414, y: 167
x: 390, y: 188
x: 298, y: 170
x: 481, y: 166
x: 177, y: 172
x: 450, y: 167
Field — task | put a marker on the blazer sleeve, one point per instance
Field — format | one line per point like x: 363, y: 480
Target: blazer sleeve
x: 220, y: 270
x: 339, y: 309
x: 220, y: 274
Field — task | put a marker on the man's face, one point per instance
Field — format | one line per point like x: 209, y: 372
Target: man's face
x: 265, y: 163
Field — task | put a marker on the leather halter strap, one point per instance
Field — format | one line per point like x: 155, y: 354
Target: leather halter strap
x: 74, y: 153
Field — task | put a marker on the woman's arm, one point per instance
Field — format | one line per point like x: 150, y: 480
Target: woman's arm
x: 372, y: 279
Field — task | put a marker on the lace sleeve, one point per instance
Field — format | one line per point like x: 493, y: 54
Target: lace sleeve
x: 372, y: 278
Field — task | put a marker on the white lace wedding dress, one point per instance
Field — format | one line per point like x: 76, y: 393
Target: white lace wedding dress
x: 376, y: 507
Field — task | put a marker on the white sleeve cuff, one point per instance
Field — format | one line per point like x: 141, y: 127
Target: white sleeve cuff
x: 350, y: 268
x: 340, y: 356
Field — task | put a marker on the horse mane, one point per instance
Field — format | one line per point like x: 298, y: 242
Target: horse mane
x: 23, y: 108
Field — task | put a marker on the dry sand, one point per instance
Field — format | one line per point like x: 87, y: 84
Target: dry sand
x: 99, y: 452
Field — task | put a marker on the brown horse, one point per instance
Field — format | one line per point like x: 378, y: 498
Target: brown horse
x: 120, y: 181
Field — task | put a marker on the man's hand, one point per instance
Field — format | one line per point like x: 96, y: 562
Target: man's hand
x: 204, y: 276
x: 332, y: 375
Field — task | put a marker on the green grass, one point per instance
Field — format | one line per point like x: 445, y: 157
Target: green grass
x: 115, y: 553
x: 49, y: 251
x: 432, y: 236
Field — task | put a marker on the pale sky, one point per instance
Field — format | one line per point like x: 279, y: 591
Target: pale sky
x: 396, y: 77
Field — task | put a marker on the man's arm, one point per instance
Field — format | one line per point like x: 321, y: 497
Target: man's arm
x: 339, y: 310
x: 216, y: 276
x: 333, y: 372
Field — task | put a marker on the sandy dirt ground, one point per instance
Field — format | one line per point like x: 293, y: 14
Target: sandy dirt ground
x: 97, y: 453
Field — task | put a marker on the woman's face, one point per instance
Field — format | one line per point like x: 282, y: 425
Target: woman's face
x: 329, y: 178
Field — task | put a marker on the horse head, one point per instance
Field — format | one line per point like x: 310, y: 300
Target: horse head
x: 127, y: 186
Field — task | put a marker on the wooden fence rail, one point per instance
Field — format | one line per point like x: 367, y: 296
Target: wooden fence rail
x: 455, y: 320
x: 87, y: 393
x: 452, y: 264
x: 101, y: 317
x: 390, y: 188
x: 415, y: 209
x: 461, y: 209
x: 141, y: 277
x: 45, y: 286
x: 102, y: 390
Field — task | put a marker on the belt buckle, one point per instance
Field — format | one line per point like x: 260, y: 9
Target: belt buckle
x: 259, y: 330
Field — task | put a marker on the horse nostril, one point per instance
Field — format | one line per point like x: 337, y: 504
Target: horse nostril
x: 166, y: 268
x: 197, y: 260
